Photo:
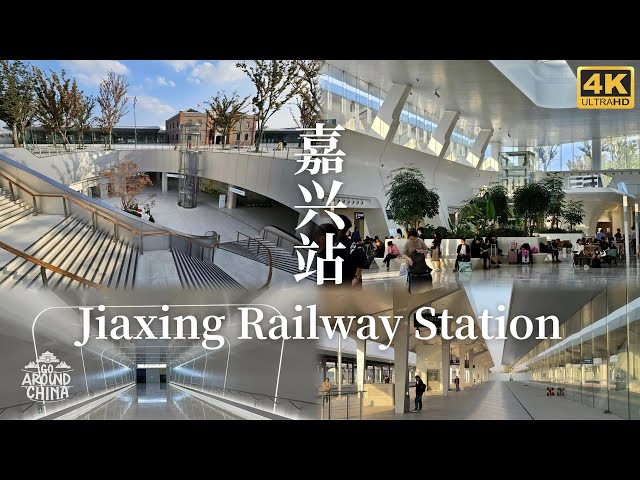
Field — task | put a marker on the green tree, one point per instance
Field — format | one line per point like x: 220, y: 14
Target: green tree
x: 309, y: 93
x: 573, y: 213
x: 546, y: 155
x: 112, y: 99
x: 276, y: 82
x: 56, y: 101
x: 225, y: 112
x: 500, y: 199
x: 489, y: 207
x: 408, y: 199
x: 17, y: 100
x: 531, y: 202
x: 555, y: 186
x: 620, y: 153
x: 82, y: 115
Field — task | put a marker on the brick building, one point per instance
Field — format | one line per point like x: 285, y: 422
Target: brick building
x: 242, y: 133
x: 172, y: 125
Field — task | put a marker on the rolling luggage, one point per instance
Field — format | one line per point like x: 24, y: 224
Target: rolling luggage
x: 513, y: 256
x: 525, y: 256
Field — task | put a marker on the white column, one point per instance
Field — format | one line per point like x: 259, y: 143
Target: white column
x: 339, y: 365
x: 635, y: 221
x: 480, y: 146
x: 361, y: 363
x: 446, y: 366
x: 462, y: 375
x: 231, y: 199
x: 442, y: 136
x: 165, y: 182
x: 625, y: 213
x: 471, y: 369
x: 401, y: 361
x: 596, y: 154
x: 388, y: 118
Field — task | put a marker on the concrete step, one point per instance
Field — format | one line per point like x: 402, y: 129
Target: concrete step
x: 281, y: 259
x: 75, y: 247
x: 201, y: 274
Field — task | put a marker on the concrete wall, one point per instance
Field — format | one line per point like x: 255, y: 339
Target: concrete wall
x: 368, y: 162
x: 41, y: 182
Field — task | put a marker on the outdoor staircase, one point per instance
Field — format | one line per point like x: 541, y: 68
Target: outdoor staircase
x: 202, y: 274
x: 281, y: 259
x: 11, y: 211
x: 75, y: 247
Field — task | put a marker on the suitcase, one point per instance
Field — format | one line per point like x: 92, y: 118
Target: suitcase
x: 513, y: 256
x: 525, y: 256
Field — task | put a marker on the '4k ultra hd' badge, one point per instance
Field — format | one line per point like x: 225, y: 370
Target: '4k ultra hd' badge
x: 605, y: 88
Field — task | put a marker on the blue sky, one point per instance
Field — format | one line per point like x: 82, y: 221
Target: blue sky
x: 163, y: 87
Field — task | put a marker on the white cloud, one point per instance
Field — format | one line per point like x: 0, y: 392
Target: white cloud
x: 179, y: 65
x: 163, y: 82
x: 223, y: 71
x: 154, y: 105
x: 92, y: 71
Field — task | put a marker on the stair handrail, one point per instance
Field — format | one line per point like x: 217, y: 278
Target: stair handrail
x: 260, y: 243
x: 281, y: 234
x: 47, y: 266
x: 67, y: 198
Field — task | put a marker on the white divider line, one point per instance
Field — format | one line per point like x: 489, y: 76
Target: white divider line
x: 240, y: 412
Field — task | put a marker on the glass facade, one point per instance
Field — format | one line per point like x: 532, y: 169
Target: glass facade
x: 149, y: 135
x: 354, y: 104
x: 617, y: 153
x: 597, y: 360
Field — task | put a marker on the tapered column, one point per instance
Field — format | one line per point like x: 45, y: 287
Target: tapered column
x: 388, y: 118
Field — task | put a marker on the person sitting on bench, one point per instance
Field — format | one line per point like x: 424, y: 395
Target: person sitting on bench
x: 464, y: 254
x: 392, y: 252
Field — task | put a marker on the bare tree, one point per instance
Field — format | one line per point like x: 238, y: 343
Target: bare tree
x: 113, y: 102
x: 309, y: 101
x: 225, y: 112
x: 17, y: 101
x: 276, y: 82
x: 83, y: 109
x: 127, y: 182
x: 546, y: 155
x: 56, y: 99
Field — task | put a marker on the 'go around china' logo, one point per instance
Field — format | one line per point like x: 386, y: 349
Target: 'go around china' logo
x: 46, y: 381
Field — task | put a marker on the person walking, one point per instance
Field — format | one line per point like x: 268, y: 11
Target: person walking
x: 456, y: 381
x: 355, y: 236
x: 435, y: 251
x: 420, y: 388
x: 399, y: 233
x: 325, y: 388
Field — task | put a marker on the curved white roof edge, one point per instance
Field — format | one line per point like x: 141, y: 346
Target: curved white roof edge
x: 547, y: 83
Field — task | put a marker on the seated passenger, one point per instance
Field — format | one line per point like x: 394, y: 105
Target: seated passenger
x: 392, y: 252
x: 464, y: 254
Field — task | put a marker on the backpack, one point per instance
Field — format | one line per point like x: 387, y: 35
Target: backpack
x: 419, y: 266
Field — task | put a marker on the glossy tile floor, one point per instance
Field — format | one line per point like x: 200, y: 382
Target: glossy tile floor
x: 496, y: 401
x: 552, y: 274
x: 156, y: 401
